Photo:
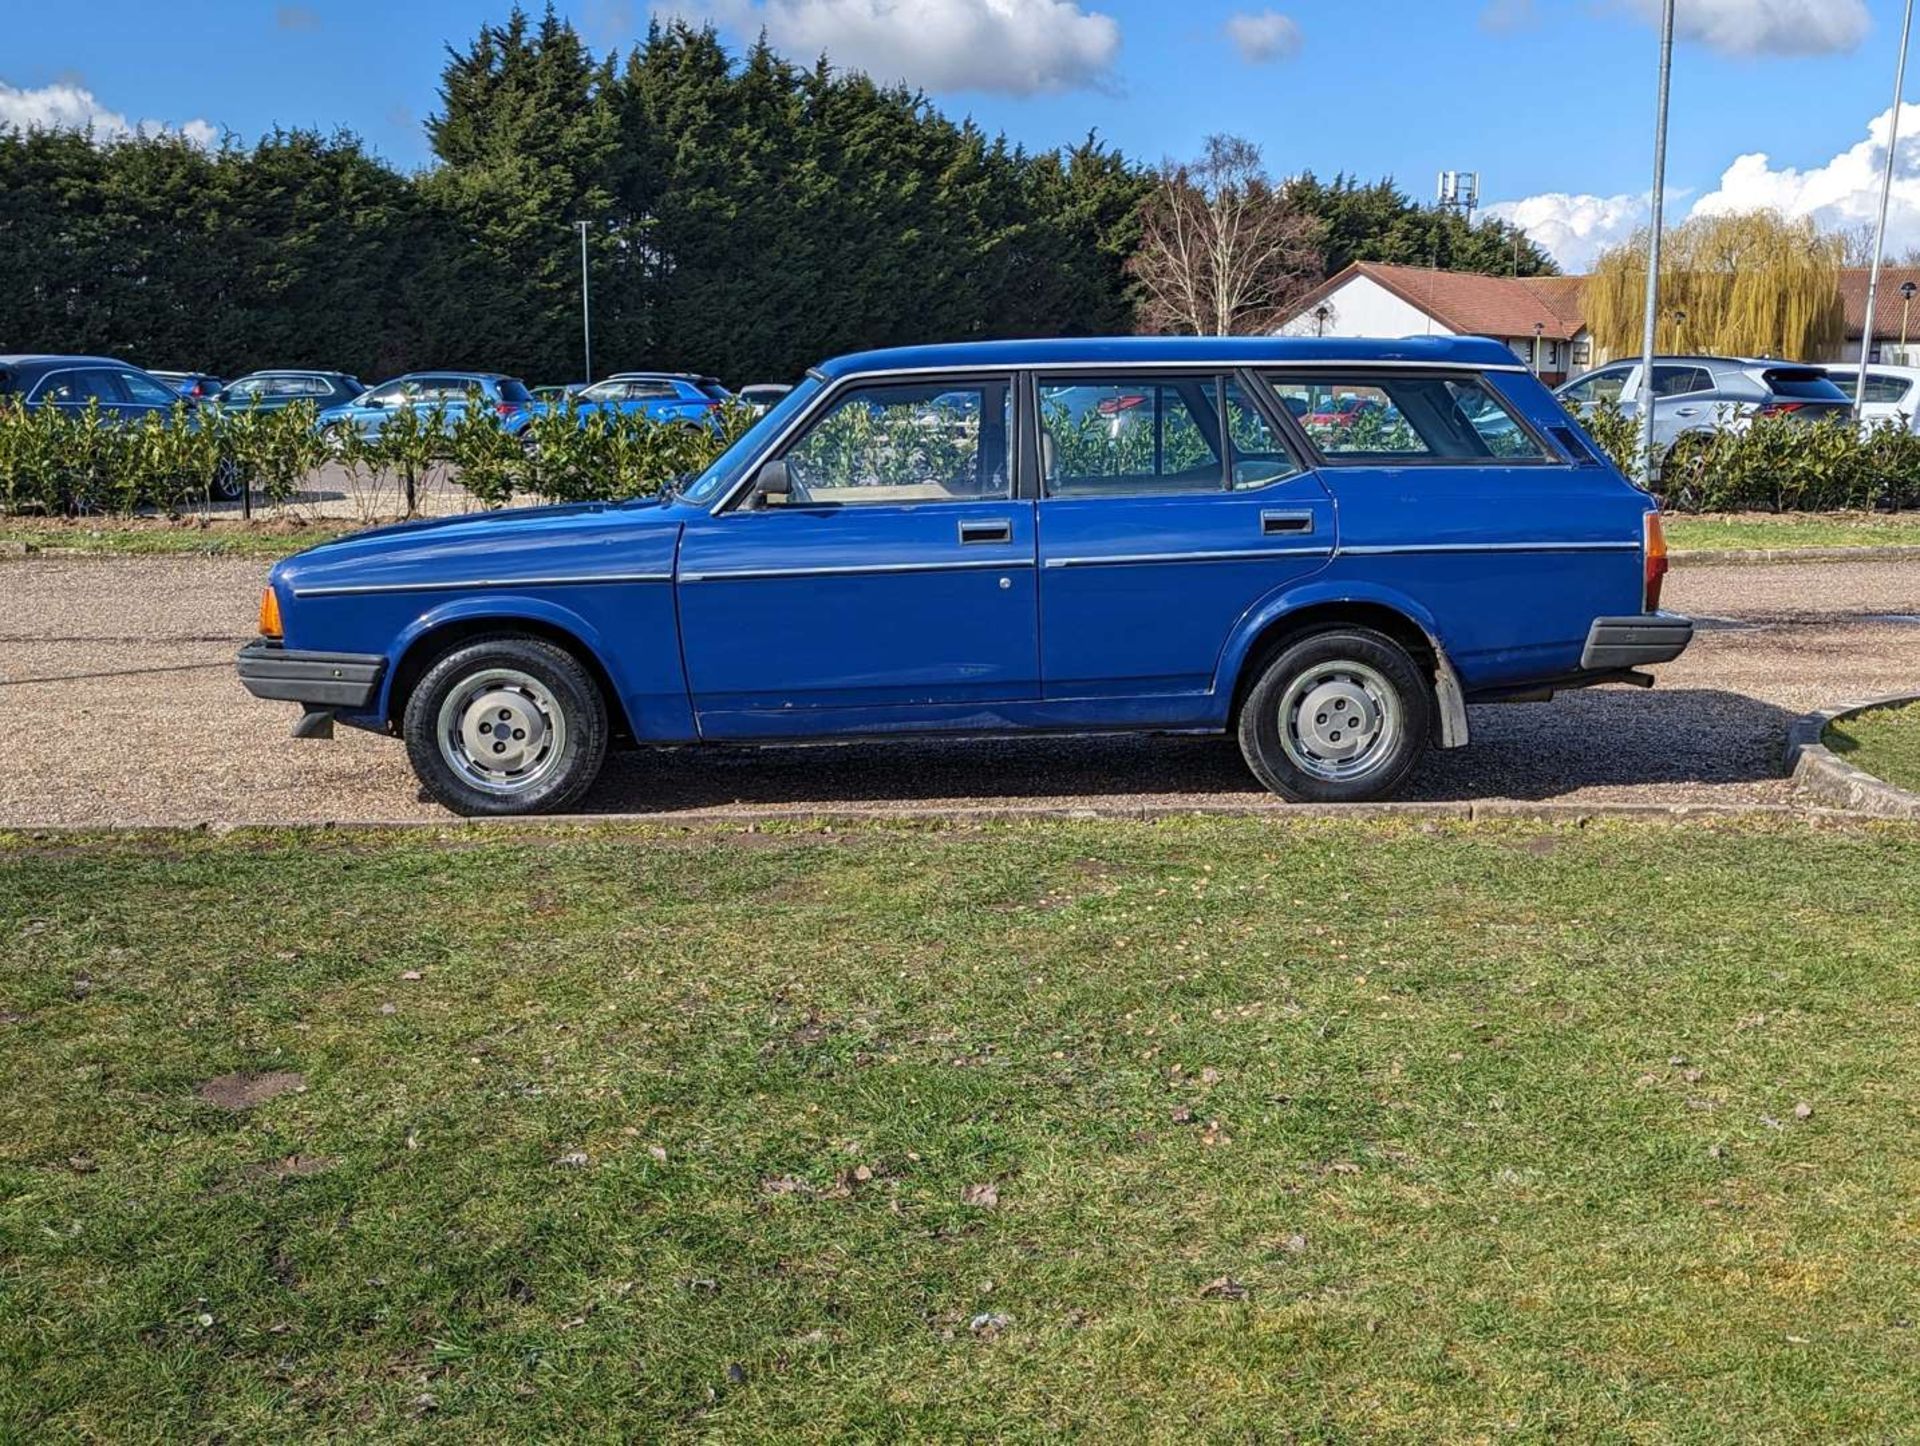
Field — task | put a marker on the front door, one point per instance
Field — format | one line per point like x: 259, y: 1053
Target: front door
x: 1171, y: 507
x: 893, y: 589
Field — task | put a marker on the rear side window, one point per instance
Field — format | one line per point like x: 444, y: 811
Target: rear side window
x: 1679, y: 381
x: 1883, y: 390
x: 512, y: 389
x: 1412, y: 419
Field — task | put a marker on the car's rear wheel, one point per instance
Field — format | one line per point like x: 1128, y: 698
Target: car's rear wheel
x: 506, y: 725
x: 229, y: 482
x: 1340, y: 716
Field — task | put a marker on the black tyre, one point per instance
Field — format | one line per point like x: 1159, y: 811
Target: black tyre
x: 506, y: 725
x: 229, y: 482
x: 1337, y: 717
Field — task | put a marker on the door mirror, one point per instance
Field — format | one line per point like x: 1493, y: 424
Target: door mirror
x: 772, y: 484
x: 372, y: 401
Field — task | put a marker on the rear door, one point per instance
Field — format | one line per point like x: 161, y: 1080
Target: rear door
x: 893, y: 590
x: 1171, y: 505
x: 1449, y: 496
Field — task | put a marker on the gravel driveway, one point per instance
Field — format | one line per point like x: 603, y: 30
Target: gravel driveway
x: 117, y: 676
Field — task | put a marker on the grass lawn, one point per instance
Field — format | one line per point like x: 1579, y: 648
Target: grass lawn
x: 1885, y: 742
x: 1723, y: 531
x: 1223, y: 1129
x: 148, y: 537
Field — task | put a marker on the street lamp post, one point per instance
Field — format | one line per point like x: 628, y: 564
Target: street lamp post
x: 1538, y: 328
x: 1320, y: 315
x: 1652, y: 319
x: 586, y: 310
x: 1907, y: 290
x: 1880, y: 231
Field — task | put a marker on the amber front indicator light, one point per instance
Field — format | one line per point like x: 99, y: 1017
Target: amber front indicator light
x: 1654, y: 549
x: 269, y: 614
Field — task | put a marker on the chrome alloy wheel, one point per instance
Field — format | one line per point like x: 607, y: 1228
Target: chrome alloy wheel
x: 1339, y: 720
x: 502, y: 731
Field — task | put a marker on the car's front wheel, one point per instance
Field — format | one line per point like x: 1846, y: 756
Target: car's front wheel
x: 506, y: 725
x: 1340, y: 716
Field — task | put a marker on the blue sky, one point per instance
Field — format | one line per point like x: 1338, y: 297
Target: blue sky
x: 1550, y: 99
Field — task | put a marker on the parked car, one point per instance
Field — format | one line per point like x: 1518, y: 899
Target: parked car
x: 196, y: 386
x: 554, y: 395
x: 273, y: 391
x: 657, y: 396
x: 369, y: 413
x: 761, y: 395
x: 1334, y: 603
x: 1893, y: 393
x: 122, y: 392
x: 1697, y: 394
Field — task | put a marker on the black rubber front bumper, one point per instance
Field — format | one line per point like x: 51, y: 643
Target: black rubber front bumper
x: 1635, y: 642
x: 347, y: 681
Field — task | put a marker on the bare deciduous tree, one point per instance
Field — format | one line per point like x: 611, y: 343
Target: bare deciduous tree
x: 1222, y: 250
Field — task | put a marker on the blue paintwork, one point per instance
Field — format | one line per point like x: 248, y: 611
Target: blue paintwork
x: 513, y: 412
x: 1120, y: 612
x: 688, y: 403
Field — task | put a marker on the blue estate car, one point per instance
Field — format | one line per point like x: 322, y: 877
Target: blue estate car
x: 1005, y: 537
x: 445, y: 391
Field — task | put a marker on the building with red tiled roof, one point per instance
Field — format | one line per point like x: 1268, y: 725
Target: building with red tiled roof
x: 1538, y: 317
x: 1896, y: 318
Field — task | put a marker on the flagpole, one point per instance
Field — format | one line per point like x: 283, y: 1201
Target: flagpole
x: 1653, y: 245
x: 1880, y: 231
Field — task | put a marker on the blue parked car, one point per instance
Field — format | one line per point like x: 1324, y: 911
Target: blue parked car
x: 369, y: 413
x: 275, y: 391
x: 657, y: 396
x: 72, y: 382
x: 1012, y: 537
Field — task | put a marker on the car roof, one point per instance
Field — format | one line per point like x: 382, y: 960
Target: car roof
x: 26, y: 359
x: 1874, y: 369
x: 1175, y: 350
x: 292, y: 372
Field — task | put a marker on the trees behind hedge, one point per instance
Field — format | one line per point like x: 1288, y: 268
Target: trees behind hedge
x: 745, y: 216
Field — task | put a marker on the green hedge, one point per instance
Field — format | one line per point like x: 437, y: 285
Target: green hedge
x: 1775, y: 464
x: 54, y: 461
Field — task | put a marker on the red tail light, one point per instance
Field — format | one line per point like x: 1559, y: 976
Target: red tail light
x: 1654, y: 550
x: 1780, y: 409
x: 505, y: 409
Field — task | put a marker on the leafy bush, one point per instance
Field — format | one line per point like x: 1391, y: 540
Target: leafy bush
x: 1774, y: 464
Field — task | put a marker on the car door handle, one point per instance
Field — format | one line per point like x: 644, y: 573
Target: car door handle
x: 972, y: 532
x: 1285, y: 524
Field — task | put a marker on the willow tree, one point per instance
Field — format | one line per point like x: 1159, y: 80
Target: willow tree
x: 1751, y: 283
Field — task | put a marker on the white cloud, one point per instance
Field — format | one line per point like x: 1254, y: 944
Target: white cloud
x: 1840, y: 193
x: 66, y: 107
x: 1766, y: 27
x: 1264, y: 37
x: 1575, y: 229
x: 1845, y: 191
x: 1014, y: 47
x: 1504, y: 15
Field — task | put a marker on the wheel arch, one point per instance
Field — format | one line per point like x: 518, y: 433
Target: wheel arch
x: 446, y: 628
x: 1269, y: 629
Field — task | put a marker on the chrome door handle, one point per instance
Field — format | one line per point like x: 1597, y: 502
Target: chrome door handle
x: 974, y: 532
x: 1279, y: 524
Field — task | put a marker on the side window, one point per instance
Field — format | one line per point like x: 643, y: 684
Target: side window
x: 1413, y: 419
x: 1886, y: 389
x: 1678, y: 381
x: 1134, y: 436
x: 1351, y: 417
x: 77, y: 388
x: 913, y: 442
x: 1259, y: 456
x: 392, y: 394
x: 1602, y: 386
x: 146, y: 391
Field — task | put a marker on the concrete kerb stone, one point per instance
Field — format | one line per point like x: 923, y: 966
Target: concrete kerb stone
x: 1826, y: 778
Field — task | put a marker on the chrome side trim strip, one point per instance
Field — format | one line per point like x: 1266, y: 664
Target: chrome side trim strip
x: 1543, y: 546
x: 865, y: 569
x: 469, y: 584
x: 1251, y: 554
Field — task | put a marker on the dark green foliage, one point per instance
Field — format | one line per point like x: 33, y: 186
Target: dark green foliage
x: 1377, y: 221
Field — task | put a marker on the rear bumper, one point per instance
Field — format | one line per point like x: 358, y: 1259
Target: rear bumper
x: 1635, y: 642
x: 347, y: 681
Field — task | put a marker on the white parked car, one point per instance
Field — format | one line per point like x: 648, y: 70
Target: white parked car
x: 1893, y: 393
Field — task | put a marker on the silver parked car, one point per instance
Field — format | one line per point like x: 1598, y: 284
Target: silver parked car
x: 1893, y: 393
x: 1700, y: 393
